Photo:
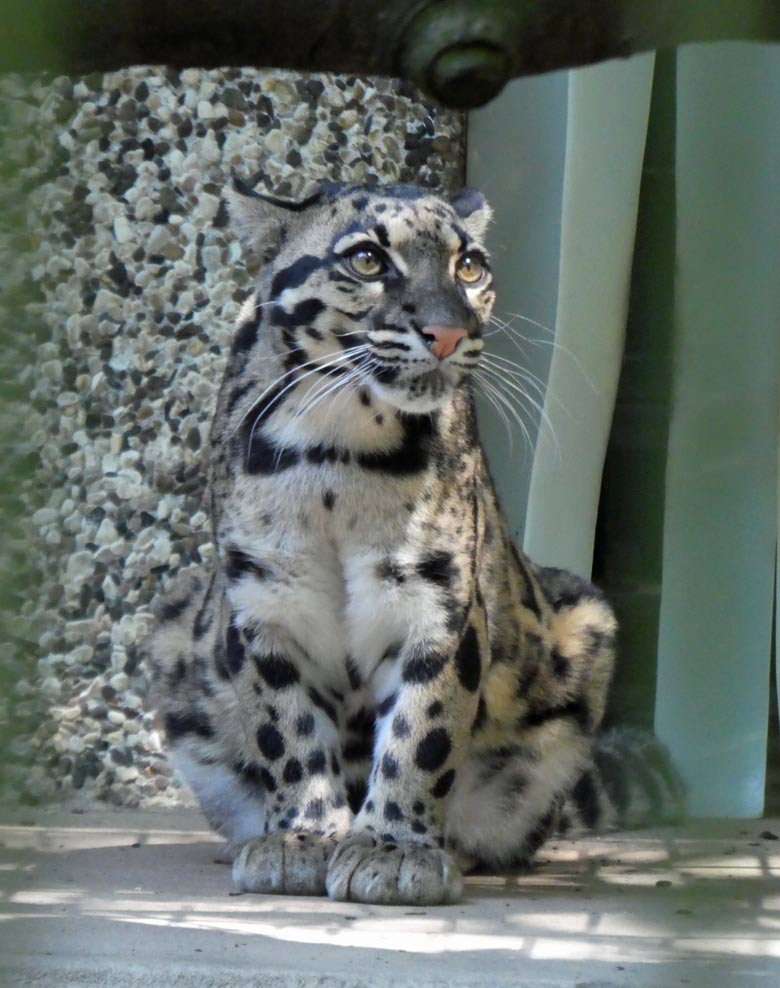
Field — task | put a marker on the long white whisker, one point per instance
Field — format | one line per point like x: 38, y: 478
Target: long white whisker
x: 515, y: 336
x: 316, y: 363
x: 501, y: 375
x: 532, y: 322
x: 514, y: 371
x: 316, y: 394
x: 501, y: 382
x: 509, y: 405
x: 317, y: 368
x: 488, y: 391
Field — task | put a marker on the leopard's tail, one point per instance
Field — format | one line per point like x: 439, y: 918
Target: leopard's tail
x: 632, y: 782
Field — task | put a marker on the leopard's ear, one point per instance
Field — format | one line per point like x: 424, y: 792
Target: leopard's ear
x: 261, y: 222
x: 474, y: 210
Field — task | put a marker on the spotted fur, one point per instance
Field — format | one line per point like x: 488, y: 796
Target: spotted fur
x: 373, y: 686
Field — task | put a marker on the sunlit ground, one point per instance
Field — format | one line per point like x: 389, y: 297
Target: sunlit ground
x: 140, y: 895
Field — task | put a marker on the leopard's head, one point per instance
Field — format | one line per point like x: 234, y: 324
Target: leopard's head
x: 391, y: 285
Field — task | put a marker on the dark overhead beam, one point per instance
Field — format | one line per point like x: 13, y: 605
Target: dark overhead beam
x: 460, y: 51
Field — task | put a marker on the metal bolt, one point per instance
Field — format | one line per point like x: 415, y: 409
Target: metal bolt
x: 468, y: 75
x: 460, y: 51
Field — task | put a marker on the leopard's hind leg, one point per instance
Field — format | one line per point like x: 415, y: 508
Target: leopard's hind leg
x: 543, y: 706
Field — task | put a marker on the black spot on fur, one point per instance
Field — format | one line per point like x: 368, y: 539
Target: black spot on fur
x: 361, y: 722
x: 528, y: 597
x: 419, y: 827
x: 193, y: 722
x: 178, y: 673
x: 386, y: 705
x: 270, y: 742
x: 334, y: 764
x: 239, y: 564
x: 246, y: 334
x: 574, y: 709
x: 560, y: 664
x: 388, y: 570
x: 358, y: 750
x: 319, y: 701
x: 389, y: 766
x: 435, y: 709
x: 293, y: 771
x: 586, y: 799
x: 316, y: 762
x: 268, y: 780
x: 234, y: 650
x: 277, y: 670
x: 356, y: 794
x: 205, y: 615
x: 173, y: 610
x: 324, y: 454
x: 411, y: 456
x: 315, y: 810
x: 249, y: 775
x: 598, y: 641
x: 401, y: 726
x: 295, y: 274
x: 304, y: 726
x: 467, y: 661
x: 423, y: 668
x: 393, y: 811
x: 304, y: 313
x: 437, y: 568
x: 381, y: 234
x: 353, y: 674
x: 481, y: 716
x: 418, y: 808
x: 433, y: 750
x: 443, y: 784
x: 328, y: 500
x: 263, y: 456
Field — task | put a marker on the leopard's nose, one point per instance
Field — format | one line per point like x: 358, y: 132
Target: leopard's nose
x: 443, y: 339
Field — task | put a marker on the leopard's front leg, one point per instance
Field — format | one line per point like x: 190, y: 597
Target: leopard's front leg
x: 293, y: 734
x: 394, y: 853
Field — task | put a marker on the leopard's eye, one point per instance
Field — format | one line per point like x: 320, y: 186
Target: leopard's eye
x: 367, y: 260
x: 470, y: 269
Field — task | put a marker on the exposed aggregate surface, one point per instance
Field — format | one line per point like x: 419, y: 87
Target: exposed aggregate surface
x: 136, y: 280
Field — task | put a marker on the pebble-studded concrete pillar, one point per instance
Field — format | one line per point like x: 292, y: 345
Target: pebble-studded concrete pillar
x: 139, y: 280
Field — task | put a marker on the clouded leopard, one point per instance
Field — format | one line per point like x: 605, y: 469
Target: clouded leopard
x: 373, y: 690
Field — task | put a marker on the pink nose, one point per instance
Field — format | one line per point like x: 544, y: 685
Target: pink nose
x: 445, y: 339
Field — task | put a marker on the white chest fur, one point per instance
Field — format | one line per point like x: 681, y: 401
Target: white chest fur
x: 339, y: 580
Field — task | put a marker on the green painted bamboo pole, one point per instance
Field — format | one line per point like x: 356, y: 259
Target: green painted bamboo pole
x: 607, y: 126
x: 629, y: 540
x: 721, y: 493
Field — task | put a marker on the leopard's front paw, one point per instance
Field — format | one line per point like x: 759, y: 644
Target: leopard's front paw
x: 364, y: 869
x: 283, y: 864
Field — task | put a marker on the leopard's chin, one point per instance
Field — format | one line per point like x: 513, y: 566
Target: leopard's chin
x: 425, y: 393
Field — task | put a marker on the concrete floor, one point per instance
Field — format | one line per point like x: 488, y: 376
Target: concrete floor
x: 134, y: 899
